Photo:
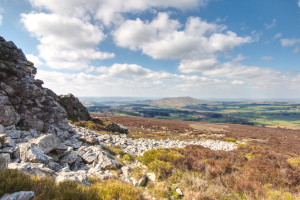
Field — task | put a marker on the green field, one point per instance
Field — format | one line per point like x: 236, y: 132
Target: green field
x: 273, y: 114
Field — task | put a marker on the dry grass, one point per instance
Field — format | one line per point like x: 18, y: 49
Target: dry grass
x: 45, y: 188
x: 207, y: 174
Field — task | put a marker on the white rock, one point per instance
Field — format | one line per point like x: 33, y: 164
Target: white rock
x: 126, y: 170
x: 23, y: 195
x: 69, y: 158
x: 80, y: 176
x: 31, y: 153
x: 36, y: 169
x: 151, y: 176
x: 179, y: 192
x: 48, y: 143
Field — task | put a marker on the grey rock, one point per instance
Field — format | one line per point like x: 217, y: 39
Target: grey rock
x: 36, y: 169
x: 91, y: 153
x: 4, y: 160
x: 31, y: 153
x: 22, y: 195
x: 80, y: 176
x: 117, y: 128
x: 2, y: 129
x: 48, y: 143
x: 69, y: 158
x: 23, y: 100
x: 74, y: 108
x: 143, y: 181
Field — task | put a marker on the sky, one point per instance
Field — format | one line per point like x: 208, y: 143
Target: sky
x: 218, y: 49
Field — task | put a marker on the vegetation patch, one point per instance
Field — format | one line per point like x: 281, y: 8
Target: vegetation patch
x: 45, y: 188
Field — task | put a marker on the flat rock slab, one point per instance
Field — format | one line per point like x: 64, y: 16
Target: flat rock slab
x: 23, y: 195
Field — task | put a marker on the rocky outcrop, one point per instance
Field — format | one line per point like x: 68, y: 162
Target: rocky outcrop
x: 74, y: 108
x: 23, y: 100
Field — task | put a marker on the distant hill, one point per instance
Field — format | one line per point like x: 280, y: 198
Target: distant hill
x: 177, y: 101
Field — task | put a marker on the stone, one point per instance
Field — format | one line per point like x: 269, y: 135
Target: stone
x: 8, y: 115
x: 8, y: 142
x: 151, y: 176
x: 91, y: 153
x: 179, y: 192
x: 105, y: 160
x: 2, y: 129
x: 31, y: 153
x: 48, y: 143
x: 117, y: 128
x: 4, y: 160
x: 74, y: 108
x: 80, y: 176
x: 126, y: 170
x: 36, y: 169
x: 69, y: 158
x: 22, y: 195
x: 143, y: 181
x: 134, y: 182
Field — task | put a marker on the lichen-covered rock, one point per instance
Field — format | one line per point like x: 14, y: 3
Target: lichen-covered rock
x: 23, y: 195
x: 23, y: 100
x: 74, y: 108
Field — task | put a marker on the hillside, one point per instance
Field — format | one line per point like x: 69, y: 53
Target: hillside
x: 52, y: 148
x: 177, y: 101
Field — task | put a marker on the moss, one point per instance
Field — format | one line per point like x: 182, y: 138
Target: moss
x: 230, y: 139
x: 294, y: 161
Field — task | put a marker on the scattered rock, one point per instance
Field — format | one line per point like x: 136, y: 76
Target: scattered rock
x: 23, y: 195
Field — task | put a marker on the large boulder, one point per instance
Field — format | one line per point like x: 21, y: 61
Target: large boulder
x: 75, y: 110
x: 31, y: 153
x: 48, y: 143
x: 23, y: 100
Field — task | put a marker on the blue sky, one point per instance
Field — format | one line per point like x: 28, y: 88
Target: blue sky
x: 151, y: 48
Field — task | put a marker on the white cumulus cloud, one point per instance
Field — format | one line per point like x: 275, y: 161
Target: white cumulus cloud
x: 111, y: 12
x: 162, y: 38
x: 65, y: 42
